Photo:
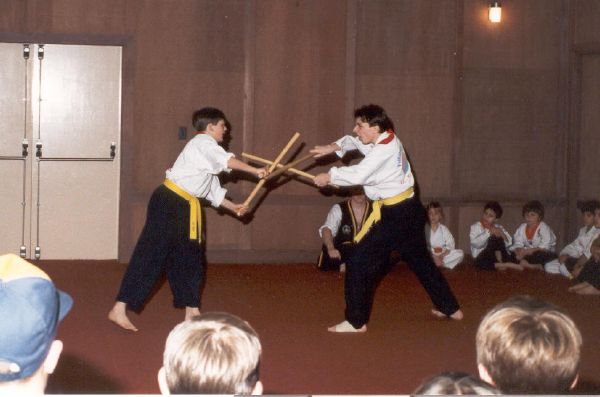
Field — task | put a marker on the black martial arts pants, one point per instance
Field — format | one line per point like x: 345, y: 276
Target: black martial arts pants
x: 400, y: 229
x: 165, y: 246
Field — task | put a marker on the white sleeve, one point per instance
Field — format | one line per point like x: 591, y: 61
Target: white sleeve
x: 575, y: 248
x: 216, y: 157
x: 588, y: 248
x: 362, y: 173
x: 216, y: 194
x: 348, y: 143
x: 478, y: 236
x: 333, y: 221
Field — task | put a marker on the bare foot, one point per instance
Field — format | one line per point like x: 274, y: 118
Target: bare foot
x: 457, y: 315
x: 118, y: 315
x: 191, y: 312
x: 345, y: 326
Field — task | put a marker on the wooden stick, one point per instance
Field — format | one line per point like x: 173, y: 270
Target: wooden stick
x: 289, y: 165
x: 260, y: 183
x: 279, y: 166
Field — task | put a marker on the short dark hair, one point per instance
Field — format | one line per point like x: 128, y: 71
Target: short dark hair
x: 205, y: 116
x: 374, y: 115
x: 494, y: 206
x: 590, y: 206
x: 534, y: 206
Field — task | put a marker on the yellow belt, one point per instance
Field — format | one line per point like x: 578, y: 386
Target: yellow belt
x: 195, y: 210
x: 375, y: 215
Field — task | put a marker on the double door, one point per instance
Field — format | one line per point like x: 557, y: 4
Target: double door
x: 60, y: 128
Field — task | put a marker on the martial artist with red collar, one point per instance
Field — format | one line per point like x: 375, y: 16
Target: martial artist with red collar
x: 396, y: 222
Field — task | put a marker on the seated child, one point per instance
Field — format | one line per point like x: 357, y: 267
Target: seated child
x: 489, y: 241
x: 567, y: 258
x: 534, y: 241
x: 343, y: 222
x: 440, y: 240
x: 588, y: 280
x: 587, y: 251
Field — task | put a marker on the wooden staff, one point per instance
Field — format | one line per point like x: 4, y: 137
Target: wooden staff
x: 279, y: 166
x: 260, y: 183
x: 288, y: 166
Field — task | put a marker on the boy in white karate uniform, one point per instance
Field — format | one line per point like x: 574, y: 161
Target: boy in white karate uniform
x: 567, y: 258
x: 534, y: 241
x: 440, y: 240
x: 490, y: 241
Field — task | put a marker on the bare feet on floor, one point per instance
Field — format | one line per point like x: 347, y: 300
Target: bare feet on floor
x: 118, y: 315
x: 457, y: 315
x: 345, y: 326
x: 191, y: 312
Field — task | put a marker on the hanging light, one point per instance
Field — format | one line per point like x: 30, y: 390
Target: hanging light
x: 495, y: 12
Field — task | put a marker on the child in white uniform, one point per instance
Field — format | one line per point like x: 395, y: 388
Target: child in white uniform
x: 439, y: 239
x: 567, y: 258
x: 489, y: 241
x: 534, y: 241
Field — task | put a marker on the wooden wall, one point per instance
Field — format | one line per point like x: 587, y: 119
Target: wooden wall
x: 505, y: 112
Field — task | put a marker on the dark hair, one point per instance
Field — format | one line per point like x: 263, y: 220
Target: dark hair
x: 455, y: 383
x: 534, y: 206
x: 205, y: 116
x: 590, y: 206
x: 494, y: 206
x: 374, y: 115
x: 433, y: 204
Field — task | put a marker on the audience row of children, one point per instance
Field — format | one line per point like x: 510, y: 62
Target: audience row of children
x: 523, y: 345
x: 531, y: 246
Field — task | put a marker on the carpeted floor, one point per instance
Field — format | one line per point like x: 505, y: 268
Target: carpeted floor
x: 290, y: 306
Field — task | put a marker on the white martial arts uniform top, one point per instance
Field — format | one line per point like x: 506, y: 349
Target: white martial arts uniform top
x: 543, y: 238
x: 443, y: 240
x: 577, y: 247
x: 333, y: 221
x: 479, y: 236
x: 197, y: 167
x: 384, y: 172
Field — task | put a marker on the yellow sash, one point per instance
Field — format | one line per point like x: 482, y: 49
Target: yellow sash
x: 195, y: 210
x: 376, y: 212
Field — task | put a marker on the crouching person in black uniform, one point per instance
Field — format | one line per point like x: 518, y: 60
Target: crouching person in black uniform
x: 343, y: 223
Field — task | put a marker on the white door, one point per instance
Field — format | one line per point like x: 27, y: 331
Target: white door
x: 63, y: 105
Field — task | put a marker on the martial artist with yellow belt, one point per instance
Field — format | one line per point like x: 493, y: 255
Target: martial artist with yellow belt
x: 396, y: 222
x: 171, y: 240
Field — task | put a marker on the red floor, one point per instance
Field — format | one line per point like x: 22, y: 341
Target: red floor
x: 290, y: 306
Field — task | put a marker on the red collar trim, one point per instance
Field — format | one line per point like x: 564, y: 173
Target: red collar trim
x: 389, y: 138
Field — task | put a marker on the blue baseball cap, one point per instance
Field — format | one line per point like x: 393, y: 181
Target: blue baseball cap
x: 30, y: 309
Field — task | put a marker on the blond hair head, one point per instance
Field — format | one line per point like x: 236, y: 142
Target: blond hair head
x: 529, y: 346
x: 214, y: 353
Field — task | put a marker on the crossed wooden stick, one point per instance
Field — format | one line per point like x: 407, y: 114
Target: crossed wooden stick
x: 275, y: 164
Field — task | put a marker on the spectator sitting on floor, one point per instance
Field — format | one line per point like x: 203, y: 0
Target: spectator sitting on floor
x: 30, y: 309
x: 213, y: 353
x: 440, y: 240
x: 588, y: 280
x: 527, y: 346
